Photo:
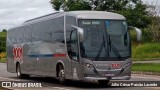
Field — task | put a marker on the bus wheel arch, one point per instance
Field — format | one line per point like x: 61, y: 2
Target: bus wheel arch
x: 17, y: 63
x: 18, y: 71
x: 60, y: 72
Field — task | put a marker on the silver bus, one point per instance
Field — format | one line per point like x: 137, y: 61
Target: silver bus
x: 75, y: 45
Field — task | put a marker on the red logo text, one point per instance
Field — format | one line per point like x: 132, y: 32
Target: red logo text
x: 18, y: 53
x: 116, y: 66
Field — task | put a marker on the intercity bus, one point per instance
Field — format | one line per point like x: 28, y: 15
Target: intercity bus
x: 75, y: 45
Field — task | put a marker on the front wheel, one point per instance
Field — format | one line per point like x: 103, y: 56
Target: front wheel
x: 103, y: 82
x: 61, y: 75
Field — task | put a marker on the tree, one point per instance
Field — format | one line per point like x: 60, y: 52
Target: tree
x: 137, y: 16
x: 2, y: 44
x: 70, y: 5
x: 4, y: 30
x: 134, y: 10
x: 109, y: 5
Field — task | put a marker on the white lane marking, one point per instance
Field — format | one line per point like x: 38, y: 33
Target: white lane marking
x: 61, y: 88
x: 9, y: 79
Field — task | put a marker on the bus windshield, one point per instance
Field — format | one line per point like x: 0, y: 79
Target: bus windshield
x: 105, y: 40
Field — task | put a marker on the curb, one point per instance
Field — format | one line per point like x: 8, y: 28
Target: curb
x: 146, y: 73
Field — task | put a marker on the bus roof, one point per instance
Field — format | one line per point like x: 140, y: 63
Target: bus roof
x: 79, y: 15
x: 96, y: 15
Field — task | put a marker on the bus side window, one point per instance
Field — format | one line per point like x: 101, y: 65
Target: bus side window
x: 73, y: 52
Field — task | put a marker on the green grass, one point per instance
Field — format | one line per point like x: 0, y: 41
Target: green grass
x: 150, y: 51
x: 147, y: 67
x: 3, y: 34
x: 3, y: 60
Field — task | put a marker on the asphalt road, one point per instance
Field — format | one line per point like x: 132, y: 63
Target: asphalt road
x: 52, y: 84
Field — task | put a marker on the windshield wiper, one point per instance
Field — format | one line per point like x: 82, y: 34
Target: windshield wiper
x: 101, y: 49
x: 113, y: 47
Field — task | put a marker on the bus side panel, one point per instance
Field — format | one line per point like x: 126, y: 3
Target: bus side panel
x: 11, y: 67
x: 70, y: 64
x: 49, y: 55
x: 47, y: 46
x: 27, y: 66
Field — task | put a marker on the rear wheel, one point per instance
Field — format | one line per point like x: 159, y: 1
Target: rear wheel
x: 103, y: 82
x: 19, y: 74
x: 61, y: 75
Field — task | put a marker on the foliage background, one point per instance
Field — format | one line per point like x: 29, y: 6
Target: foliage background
x: 3, y: 41
x: 137, y: 14
x: 133, y: 10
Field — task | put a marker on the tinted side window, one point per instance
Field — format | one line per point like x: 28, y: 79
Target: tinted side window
x: 20, y: 35
x: 28, y: 33
x: 58, y: 29
x: 42, y: 31
x: 70, y: 20
x: 73, y: 46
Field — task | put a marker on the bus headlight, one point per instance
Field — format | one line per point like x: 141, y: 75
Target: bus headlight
x: 88, y: 65
x: 127, y: 65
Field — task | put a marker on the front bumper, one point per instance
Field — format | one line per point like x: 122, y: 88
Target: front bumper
x: 105, y: 78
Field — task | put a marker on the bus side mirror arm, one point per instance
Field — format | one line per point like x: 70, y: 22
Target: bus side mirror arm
x: 80, y: 33
x: 138, y: 32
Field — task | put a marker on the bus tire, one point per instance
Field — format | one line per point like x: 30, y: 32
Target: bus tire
x: 103, y: 82
x: 61, y: 75
x: 19, y: 74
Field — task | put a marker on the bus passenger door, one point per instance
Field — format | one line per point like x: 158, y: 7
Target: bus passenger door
x: 74, y: 54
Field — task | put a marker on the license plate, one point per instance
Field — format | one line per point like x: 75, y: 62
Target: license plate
x: 109, y: 74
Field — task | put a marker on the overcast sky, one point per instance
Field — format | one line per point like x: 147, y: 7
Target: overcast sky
x: 15, y: 12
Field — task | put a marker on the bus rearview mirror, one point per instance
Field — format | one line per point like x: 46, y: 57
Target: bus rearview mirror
x: 138, y: 32
x: 80, y: 33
